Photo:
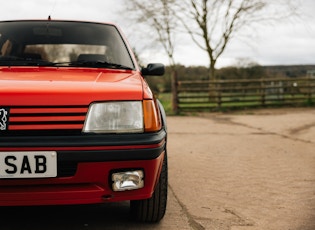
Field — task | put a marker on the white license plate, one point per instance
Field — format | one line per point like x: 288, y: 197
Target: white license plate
x: 28, y: 164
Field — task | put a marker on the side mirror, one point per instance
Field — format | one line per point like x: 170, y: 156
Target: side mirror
x: 153, y: 69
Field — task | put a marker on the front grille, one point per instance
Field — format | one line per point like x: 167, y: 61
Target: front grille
x: 47, y: 118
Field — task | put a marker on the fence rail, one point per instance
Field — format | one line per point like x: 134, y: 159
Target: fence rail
x: 223, y: 94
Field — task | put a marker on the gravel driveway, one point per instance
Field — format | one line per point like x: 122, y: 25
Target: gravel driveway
x: 244, y: 171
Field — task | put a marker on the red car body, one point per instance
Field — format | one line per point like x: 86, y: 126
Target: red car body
x: 44, y: 109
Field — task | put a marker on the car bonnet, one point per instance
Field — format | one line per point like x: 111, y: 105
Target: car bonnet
x: 67, y: 86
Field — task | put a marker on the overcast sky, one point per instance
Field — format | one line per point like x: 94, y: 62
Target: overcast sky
x: 284, y: 44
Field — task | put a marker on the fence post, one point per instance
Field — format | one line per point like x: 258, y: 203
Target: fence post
x: 310, y: 79
x: 219, y: 98
x: 263, y: 91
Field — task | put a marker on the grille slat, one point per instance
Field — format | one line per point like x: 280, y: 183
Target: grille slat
x: 52, y: 118
x: 46, y: 127
x: 54, y: 109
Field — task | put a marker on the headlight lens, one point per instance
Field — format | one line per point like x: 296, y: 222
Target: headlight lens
x: 115, y: 117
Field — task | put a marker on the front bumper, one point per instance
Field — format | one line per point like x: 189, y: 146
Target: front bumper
x: 85, y: 164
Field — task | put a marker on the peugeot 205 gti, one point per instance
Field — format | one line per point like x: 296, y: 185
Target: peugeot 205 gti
x: 78, y: 121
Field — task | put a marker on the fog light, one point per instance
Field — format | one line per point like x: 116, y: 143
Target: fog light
x: 128, y: 180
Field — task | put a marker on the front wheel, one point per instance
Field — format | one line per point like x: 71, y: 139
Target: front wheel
x: 152, y: 209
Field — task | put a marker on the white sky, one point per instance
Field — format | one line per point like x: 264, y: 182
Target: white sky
x: 285, y: 44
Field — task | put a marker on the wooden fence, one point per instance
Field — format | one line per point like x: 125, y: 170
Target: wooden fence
x: 227, y: 94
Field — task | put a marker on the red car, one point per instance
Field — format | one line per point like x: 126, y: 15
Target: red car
x: 78, y: 122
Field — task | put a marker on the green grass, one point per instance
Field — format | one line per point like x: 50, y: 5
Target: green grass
x: 166, y: 100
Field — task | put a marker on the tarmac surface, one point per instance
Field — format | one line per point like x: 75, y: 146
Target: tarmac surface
x: 251, y: 170
x: 246, y: 171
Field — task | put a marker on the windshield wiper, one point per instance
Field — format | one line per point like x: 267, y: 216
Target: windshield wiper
x: 95, y: 64
x: 18, y: 61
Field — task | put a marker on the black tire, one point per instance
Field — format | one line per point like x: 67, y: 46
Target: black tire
x: 152, y: 209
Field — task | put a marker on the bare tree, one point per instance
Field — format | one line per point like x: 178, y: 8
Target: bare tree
x: 158, y: 15
x: 213, y: 23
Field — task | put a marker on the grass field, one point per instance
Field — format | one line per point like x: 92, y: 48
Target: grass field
x: 166, y: 100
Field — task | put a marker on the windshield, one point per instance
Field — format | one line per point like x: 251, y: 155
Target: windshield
x: 62, y: 43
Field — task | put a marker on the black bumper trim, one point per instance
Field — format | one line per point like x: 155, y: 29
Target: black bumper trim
x: 84, y: 140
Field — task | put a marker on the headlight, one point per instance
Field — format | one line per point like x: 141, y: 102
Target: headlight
x: 115, y: 117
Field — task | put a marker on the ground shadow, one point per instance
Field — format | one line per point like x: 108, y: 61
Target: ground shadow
x: 105, y: 216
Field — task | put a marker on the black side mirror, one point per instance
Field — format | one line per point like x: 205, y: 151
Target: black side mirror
x: 153, y: 69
